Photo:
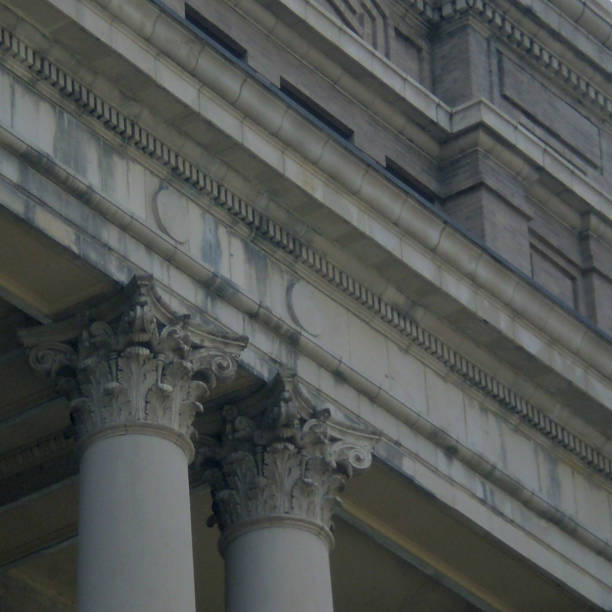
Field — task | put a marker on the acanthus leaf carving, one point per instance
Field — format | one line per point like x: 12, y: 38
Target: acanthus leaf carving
x: 138, y: 365
x: 278, y: 456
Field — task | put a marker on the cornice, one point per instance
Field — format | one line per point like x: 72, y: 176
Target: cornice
x: 589, y: 17
x: 248, y: 96
x: 497, y: 20
x: 278, y: 236
x: 447, y: 124
x: 594, y: 17
x: 531, y: 46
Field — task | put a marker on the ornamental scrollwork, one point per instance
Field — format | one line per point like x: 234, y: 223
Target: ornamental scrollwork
x: 277, y: 455
x: 134, y: 362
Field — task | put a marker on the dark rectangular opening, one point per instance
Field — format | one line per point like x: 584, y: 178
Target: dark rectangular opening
x: 316, y: 110
x: 402, y: 175
x: 214, y: 32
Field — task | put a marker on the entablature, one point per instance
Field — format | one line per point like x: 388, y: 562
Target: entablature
x: 392, y: 307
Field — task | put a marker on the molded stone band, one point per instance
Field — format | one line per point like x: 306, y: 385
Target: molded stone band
x: 430, y: 230
x: 274, y: 233
x: 25, y: 458
x: 145, y: 429
x: 275, y: 520
x: 497, y: 20
x: 526, y: 43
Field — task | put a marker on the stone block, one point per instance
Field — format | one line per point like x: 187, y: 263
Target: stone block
x: 406, y: 54
x: 6, y: 98
x: 494, y: 222
x: 592, y: 506
x: 445, y: 406
x: 460, y: 66
x: 561, y: 119
x: 404, y: 378
x: 554, y: 277
x: 598, y: 290
x: 557, y: 481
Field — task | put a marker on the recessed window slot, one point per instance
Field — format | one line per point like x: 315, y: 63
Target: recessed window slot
x: 316, y: 110
x: 402, y: 175
x: 214, y: 32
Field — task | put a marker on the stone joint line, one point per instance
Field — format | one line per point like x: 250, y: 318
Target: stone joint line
x: 265, y: 227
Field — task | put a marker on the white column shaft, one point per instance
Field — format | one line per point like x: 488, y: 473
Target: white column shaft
x: 278, y: 569
x: 135, y: 550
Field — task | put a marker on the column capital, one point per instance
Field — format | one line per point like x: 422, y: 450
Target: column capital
x: 278, y: 458
x: 132, y: 364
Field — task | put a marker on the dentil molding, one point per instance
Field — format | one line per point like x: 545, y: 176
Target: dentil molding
x: 498, y: 21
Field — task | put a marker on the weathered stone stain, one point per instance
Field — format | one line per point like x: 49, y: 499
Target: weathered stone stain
x: 68, y: 145
x: 210, y: 245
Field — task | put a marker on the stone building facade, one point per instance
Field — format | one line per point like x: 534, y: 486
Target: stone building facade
x: 305, y: 305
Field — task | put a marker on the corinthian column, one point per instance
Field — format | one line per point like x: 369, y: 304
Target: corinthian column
x: 275, y: 470
x: 135, y: 374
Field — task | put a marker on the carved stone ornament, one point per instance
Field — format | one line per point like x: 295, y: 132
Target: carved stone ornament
x: 279, y: 457
x: 133, y: 365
